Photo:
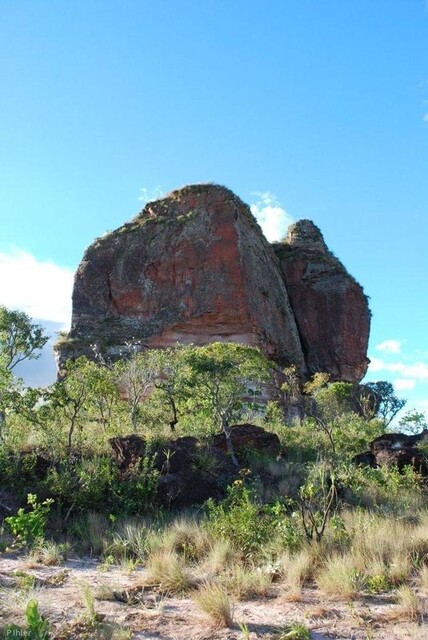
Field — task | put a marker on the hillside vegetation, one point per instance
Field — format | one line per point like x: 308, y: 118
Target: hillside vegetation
x: 274, y: 523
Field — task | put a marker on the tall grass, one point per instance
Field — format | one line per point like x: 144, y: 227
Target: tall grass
x: 213, y: 600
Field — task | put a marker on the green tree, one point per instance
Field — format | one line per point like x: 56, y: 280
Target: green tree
x: 385, y: 404
x: 171, y: 366
x: 332, y: 415
x: 136, y: 378
x: 414, y: 421
x: 220, y: 379
x: 20, y: 339
x: 67, y: 399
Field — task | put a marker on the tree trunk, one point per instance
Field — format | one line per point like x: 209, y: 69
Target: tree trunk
x: 229, y: 444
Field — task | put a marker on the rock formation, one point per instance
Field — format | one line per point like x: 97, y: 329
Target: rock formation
x: 191, y: 471
x: 329, y: 306
x: 397, y: 449
x: 195, y: 267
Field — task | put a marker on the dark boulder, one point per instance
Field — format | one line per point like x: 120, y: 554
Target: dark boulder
x: 408, y: 456
x: 396, y: 449
x: 189, y: 472
x: 248, y: 437
x: 365, y: 459
x: 127, y: 450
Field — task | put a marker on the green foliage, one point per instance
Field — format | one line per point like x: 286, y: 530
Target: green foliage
x: 385, y: 489
x: 339, y: 429
x: 318, y: 496
x: 249, y: 524
x: 37, y: 625
x: 96, y: 484
x: 218, y: 379
x: 378, y: 583
x: 20, y: 339
x: 295, y: 631
x: 29, y: 526
x: 413, y: 422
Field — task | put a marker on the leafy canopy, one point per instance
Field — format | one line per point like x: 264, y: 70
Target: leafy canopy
x: 20, y: 339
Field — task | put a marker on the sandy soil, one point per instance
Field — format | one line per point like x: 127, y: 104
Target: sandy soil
x: 152, y: 616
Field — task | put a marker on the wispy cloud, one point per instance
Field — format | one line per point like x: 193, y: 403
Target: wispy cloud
x: 417, y: 370
x: 402, y: 384
x: 389, y: 346
x: 271, y: 216
x: 42, y: 289
x: 148, y: 195
x: 425, y: 117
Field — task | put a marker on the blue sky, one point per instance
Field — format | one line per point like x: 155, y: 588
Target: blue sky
x: 322, y: 105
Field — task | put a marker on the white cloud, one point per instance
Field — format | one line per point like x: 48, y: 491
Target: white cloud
x: 425, y: 117
x: 376, y: 364
x: 389, y: 346
x: 41, y: 289
x: 148, y: 195
x: 402, y: 384
x: 272, y: 218
x: 417, y: 370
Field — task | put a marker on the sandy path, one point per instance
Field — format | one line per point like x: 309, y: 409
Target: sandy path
x: 156, y: 617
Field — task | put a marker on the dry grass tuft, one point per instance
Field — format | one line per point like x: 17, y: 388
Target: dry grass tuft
x: 48, y: 553
x: 410, y: 605
x: 339, y: 577
x: 423, y: 577
x: 247, y: 582
x: 297, y: 569
x: 167, y: 570
x: 220, y: 556
x: 213, y: 600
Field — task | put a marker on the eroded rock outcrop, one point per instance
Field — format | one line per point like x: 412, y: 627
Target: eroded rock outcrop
x: 192, y: 268
x: 397, y: 449
x: 329, y: 306
x: 191, y: 471
x: 195, y: 267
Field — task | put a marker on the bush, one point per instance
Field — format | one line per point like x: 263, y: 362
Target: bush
x: 248, y: 524
x: 28, y: 526
x: 96, y: 484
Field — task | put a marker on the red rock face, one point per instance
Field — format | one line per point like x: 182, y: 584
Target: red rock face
x: 191, y: 268
x: 330, y: 307
x: 195, y: 268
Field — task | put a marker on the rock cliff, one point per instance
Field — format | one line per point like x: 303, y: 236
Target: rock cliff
x: 329, y: 305
x: 195, y: 267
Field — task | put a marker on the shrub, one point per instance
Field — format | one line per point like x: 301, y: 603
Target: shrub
x: 37, y: 625
x: 246, y: 522
x: 96, y: 484
x: 28, y: 526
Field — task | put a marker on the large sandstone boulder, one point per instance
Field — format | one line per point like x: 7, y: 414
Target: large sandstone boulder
x: 189, y: 472
x: 192, y: 268
x: 246, y: 438
x: 396, y: 449
x: 195, y: 267
x: 329, y: 306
